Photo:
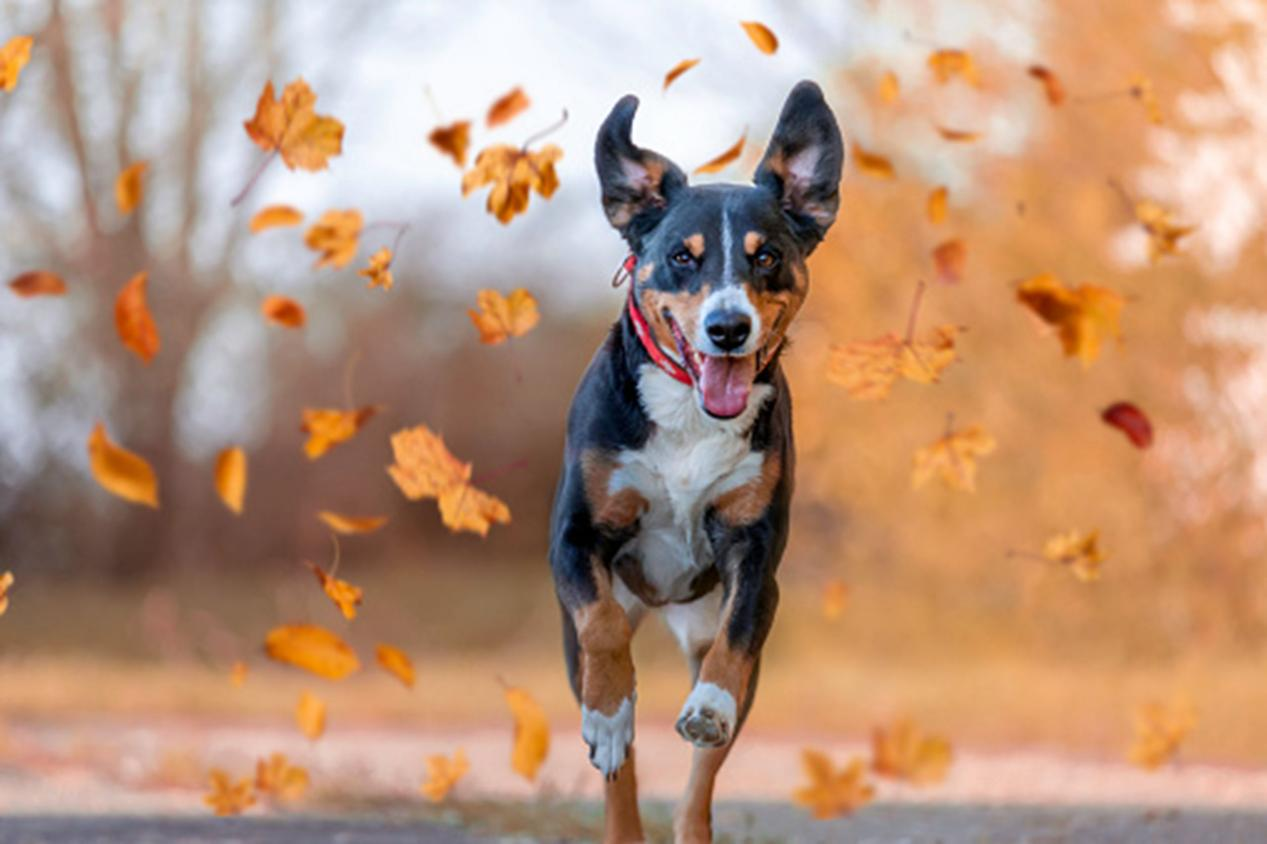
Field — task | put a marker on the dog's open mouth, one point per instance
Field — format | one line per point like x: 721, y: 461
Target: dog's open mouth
x: 723, y: 381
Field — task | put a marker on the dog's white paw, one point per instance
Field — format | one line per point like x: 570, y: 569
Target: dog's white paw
x: 708, y: 716
x: 608, y: 736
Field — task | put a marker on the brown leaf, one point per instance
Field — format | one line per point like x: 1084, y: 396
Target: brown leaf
x: 872, y: 164
x: 1082, y: 316
x: 133, y: 321
x: 276, y: 217
x: 677, y: 70
x: 1163, y: 234
x: 452, y: 140
x: 290, y: 126
x: 761, y: 36
x: 379, y: 271
x: 351, y: 524
x: 344, y: 595
x: 1130, y: 420
x: 38, y: 283
x: 231, y: 478
x: 1051, y: 83
x: 284, y: 311
x: 120, y: 471
x: 1079, y: 551
x: 313, y: 649
x: 950, y: 258
x: 129, y: 187
x: 731, y: 154
x: 514, y: 173
x: 507, y: 107
x: 958, y: 135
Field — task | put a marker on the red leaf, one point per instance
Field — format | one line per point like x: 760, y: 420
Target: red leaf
x: 1130, y: 420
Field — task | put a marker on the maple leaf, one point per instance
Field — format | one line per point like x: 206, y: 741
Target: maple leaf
x: 761, y: 36
x: 38, y: 283
x: 1163, y: 235
x: 274, y: 217
x: 425, y: 468
x: 514, y: 173
x: 1159, y: 733
x: 120, y: 471
x: 379, y: 271
x: 501, y: 317
x: 832, y: 793
x: 133, y: 321
x: 1130, y: 420
x: 283, y: 311
x: 290, y: 126
x: 452, y: 140
x: 237, y: 674
x: 129, y: 187
x: 6, y: 583
x: 889, y: 89
x: 720, y: 162
x: 1141, y: 89
x: 310, y: 715
x: 873, y: 165
x: 396, y: 662
x: 313, y: 649
x: 677, y: 70
x: 950, y: 258
x: 902, y: 751
x: 532, y: 733
x: 230, y: 478
x: 344, y: 595
x: 868, y: 369
x: 835, y: 599
x: 948, y: 64
x: 1082, y: 316
x: 1079, y: 551
x: 335, y: 236
x: 1051, y: 83
x: 936, y: 205
x: 507, y: 107
x: 276, y: 778
x: 953, y: 458
x: 351, y: 524
x: 226, y: 797
x: 13, y: 57
x: 443, y: 774
x: 327, y: 427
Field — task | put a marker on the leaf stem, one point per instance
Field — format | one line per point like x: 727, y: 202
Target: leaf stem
x: 334, y: 567
x: 553, y: 127
x: 348, y: 372
x: 255, y: 177
x: 913, y: 314
x: 494, y: 474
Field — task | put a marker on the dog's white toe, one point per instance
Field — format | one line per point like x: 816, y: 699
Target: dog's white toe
x: 708, y: 716
x: 608, y: 736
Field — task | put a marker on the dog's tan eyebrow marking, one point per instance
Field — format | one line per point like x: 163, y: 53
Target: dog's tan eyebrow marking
x: 644, y: 272
x: 752, y: 242
x: 695, y: 243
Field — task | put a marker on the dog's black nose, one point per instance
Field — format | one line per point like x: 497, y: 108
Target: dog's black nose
x: 727, y: 329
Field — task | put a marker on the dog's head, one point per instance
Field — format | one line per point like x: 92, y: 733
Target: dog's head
x: 721, y: 268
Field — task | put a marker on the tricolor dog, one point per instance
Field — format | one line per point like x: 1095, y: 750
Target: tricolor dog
x: 677, y: 471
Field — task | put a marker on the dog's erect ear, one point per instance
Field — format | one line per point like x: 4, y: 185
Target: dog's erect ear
x: 802, y: 164
x: 637, y: 183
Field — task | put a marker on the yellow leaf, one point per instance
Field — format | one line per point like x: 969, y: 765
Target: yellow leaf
x: 1080, y: 551
x: 1051, y: 83
x: 237, y: 674
x: 937, y: 201
x: 947, y: 64
x: 507, y: 107
x: 761, y: 36
x: 344, y: 595
x: 732, y: 153
x: 327, y: 427
x: 133, y: 321
x: 310, y: 715
x: 903, y: 751
x: 396, y: 662
x: 1081, y: 316
x: 226, y: 797
x: 949, y: 259
x: 514, y: 173
x: 835, y: 599
x: 379, y: 271
x: 13, y: 57
x: 335, y: 236
x: 677, y: 70
x: 129, y: 187
x: 532, y: 733
x: 283, y: 311
x: 290, y: 126
x: 832, y: 793
x: 443, y: 774
x: 351, y: 524
x: 6, y: 582
x: 889, y: 89
x: 868, y: 369
x: 1163, y: 235
x: 313, y: 649
x: 276, y: 778
x: 38, y: 283
x: 452, y: 140
x: 120, y: 471
x: 501, y: 317
x: 231, y: 478
x: 275, y: 217
x: 1159, y: 733
x: 953, y: 458
x: 873, y: 165
x: 425, y: 468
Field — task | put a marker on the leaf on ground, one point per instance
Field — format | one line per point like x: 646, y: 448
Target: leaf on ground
x: 335, y: 236
x: 277, y: 779
x: 276, y: 217
x: 1131, y: 421
x: 1159, y: 733
x: 761, y: 36
x: 951, y: 64
x: 952, y: 458
x: 289, y: 125
x: 507, y: 107
x: 396, y: 662
x: 1079, y: 551
x: 120, y: 471
x: 499, y: 317
x: 310, y: 715
x: 1051, y: 83
x: 425, y: 468
x: 443, y: 774
x: 344, y: 595
x: 329, y: 426
x: 283, y: 311
x: 231, y: 478
x: 514, y: 173
x: 226, y: 797
x: 133, y: 320
x: 532, y: 733
x: 452, y: 140
x: 38, y: 283
x: 1082, y: 316
x: 129, y: 187
x: 876, y: 166
x: 340, y: 523
x: 677, y: 70
x: 379, y: 270
x: 832, y: 793
x: 867, y: 369
x: 13, y: 57
x: 312, y: 648
x: 904, y: 751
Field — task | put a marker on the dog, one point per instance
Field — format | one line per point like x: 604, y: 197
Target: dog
x: 678, y: 461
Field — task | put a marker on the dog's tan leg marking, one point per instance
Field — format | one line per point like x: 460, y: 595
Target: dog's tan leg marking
x: 693, y: 818
x: 622, y: 823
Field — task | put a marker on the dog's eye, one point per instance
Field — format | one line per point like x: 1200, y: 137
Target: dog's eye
x: 682, y: 258
x: 765, y: 259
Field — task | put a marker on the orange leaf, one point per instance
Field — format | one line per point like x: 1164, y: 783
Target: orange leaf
x: 38, y: 283
x: 313, y: 649
x: 443, y: 774
x: 958, y: 135
x: 290, y: 126
x: 231, y: 478
x: 1051, y: 83
x: 335, y: 236
x: 396, y: 662
x: 237, y: 674
x: 1141, y: 88
x: 121, y: 472
x: 835, y: 598
x: 937, y: 201
x: 890, y: 88
x: 310, y: 715
x: 507, y: 107
x: 872, y: 164
x: 226, y: 797
x: 831, y: 792
x: 532, y: 733
x: 129, y: 187
x: 947, y: 64
x: 1159, y: 732
x: 867, y: 369
x: 452, y: 140
x: 902, y: 751
x: 327, y: 427
x: 133, y: 321
x: 952, y: 458
x: 501, y: 317
x: 1081, y: 316
x: 1079, y: 551
x: 425, y: 468
x: 761, y: 36
x: 677, y: 70
x: 379, y: 271
x: 1163, y: 234
x: 514, y: 173
x: 344, y: 595
x: 275, y: 217
x: 731, y: 154
x: 6, y: 582
x: 284, y: 311
x: 351, y: 524
x: 280, y: 780
x: 13, y: 57
x: 950, y: 258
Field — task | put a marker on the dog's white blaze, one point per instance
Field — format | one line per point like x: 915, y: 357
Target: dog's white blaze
x: 713, y: 697
x: 609, y: 735
x: 731, y: 297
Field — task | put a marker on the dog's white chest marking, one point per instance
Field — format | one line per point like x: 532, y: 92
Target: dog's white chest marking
x: 687, y: 462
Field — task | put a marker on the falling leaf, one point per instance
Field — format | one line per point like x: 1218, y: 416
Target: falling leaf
x: 452, y: 140
x: 310, y: 715
x: 867, y: 369
x: 1159, y: 732
x: 424, y: 468
x: 889, y: 89
x: 950, y: 258
x: 335, y: 236
x: 237, y: 674
x: 379, y: 271
x: 947, y: 64
x: 129, y: 187
x: 344, y: 595
x: 227, y: 797
x: 761, y: 36
x: 276, y: 217
x: 835, y: 598
x: 873, y: 165
x: 231, y: 478
x: 38, y: 283
x: 1141, y: 88
x: 958, y: 135
x: 121, y: 472
x: 1163, y: 235
x: 1130, y: 420
x: 313, y: 649
x: 443, y: 774
x: 507, y: 107
x: 327, y: 427
x: 133, y: 321
x: 532, y: 733
x: 903, y: 751
x: 514, y: 173
x: 290, y: 126
x: 13, y: 57
x: 953, y: 458
x: 936, y: 205
x: 716, y: 165
x: 677, y: 70
x: 832, y: 793
x: 1079, y: 551
x: 276, y: 778
x: 6, y: 582
x: 1081, y: 316
x: 351, y: 524
x: 501, y: 317
x: 1051, y: 83
x: 396, y: 662
x: 283, y: 311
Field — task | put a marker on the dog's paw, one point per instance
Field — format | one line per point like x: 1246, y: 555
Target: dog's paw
x: 708, y: 716
x: 608, y: 736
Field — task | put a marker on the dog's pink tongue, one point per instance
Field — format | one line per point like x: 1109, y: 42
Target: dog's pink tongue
x: 725, y: 384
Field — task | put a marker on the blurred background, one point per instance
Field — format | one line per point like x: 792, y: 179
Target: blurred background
x: 120, y: 610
